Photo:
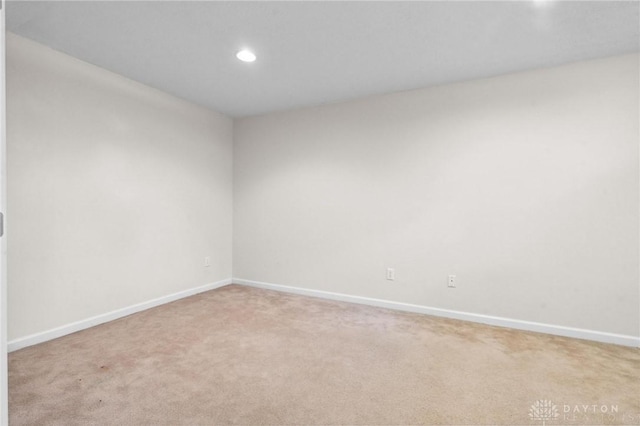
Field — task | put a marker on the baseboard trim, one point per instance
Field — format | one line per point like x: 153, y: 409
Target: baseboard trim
x: 578, y: 333
x: 54, y: 333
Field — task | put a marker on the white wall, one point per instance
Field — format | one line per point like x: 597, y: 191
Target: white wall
x: 525, y: 186
x: 116, y: 191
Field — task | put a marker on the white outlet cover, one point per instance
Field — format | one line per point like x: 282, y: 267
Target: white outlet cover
x: 391, y: 274
x: 451, y: 282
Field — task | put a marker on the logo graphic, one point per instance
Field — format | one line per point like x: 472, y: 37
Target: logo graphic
x: 543, y: 410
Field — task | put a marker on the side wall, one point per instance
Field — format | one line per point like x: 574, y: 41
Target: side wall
x: 524, y: 186
x: 116, y: 191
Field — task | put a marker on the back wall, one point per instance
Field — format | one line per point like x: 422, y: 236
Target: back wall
x: 524, y: 186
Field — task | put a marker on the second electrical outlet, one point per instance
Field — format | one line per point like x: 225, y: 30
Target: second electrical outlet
x: 391, y: 274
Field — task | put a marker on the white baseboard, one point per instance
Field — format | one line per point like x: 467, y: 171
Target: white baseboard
x: 44, y: 336
x: 578, y: 333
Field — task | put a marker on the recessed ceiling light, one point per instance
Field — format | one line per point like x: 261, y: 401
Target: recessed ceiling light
x: 246, y: 56
x: 542, y: 3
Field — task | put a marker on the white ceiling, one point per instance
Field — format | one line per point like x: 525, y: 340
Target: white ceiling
x: 312, y: 53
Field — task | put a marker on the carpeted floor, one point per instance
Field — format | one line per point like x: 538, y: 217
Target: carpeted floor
x: 240, y: 355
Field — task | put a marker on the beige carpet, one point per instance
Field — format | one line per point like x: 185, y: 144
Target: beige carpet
x: 240, y: 355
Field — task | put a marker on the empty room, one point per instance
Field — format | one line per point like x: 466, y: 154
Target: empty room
x: 320, y: 213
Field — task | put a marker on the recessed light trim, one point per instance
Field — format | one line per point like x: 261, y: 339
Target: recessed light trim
x: 543, y: 3
x: 246, y: 55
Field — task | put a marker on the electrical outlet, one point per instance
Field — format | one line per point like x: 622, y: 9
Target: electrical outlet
x: 207, y: 261
x: 451, y: 282
x: 391, y: 274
